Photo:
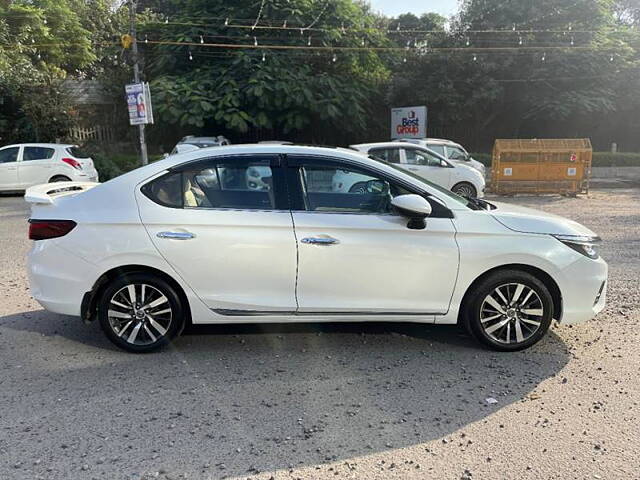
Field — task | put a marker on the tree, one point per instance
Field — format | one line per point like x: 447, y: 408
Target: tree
x: 40, y: 43
x: 313, y: 96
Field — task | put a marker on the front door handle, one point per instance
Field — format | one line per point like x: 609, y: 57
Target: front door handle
x: 413, y: 169
x: 320, y: 241
x: 176, y: 235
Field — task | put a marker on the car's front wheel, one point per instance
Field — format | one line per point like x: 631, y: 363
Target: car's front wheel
x: 509, y: 310
x: 140, y: 312
x: 465, y: 189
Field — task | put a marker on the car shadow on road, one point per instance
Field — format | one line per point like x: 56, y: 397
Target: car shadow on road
x: 237, y: 400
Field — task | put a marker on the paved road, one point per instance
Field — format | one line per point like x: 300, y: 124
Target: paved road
x: 369, y: 401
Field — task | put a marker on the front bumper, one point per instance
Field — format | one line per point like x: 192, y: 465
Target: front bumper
x: 584, y: 290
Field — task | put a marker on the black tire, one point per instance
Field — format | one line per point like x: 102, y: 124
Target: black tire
x: 502, y: 332
x: 59, y: 178
x: 152, y: 321
x: 465, y: 189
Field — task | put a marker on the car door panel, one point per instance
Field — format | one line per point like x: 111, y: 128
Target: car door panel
x: 238, y: 260
x: 366, y: 260
x: 427, y: 167
x: 378, y: 265
x: 36, y: 165
x: 9, y: 168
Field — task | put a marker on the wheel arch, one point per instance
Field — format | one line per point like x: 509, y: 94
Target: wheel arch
x: 89, y: 305
x: 540, y: 274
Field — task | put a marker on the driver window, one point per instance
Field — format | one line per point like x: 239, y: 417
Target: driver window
x: 347, y: 190
x: 456, y: 154
x: 418, y: 157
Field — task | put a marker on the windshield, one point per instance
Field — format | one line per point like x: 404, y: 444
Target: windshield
x: 447, y: 193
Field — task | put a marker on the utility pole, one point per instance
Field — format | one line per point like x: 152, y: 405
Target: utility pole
x: 136, y: 74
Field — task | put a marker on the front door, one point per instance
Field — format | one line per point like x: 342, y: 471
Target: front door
x: 356, y: 255
x: 224, y: 225
x: 9, y: 168
x: 428, y: 166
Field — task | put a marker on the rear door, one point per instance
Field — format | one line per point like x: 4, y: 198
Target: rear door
x: 36, y: 165
x: 428, y: 166
x: 224, y: 225
x: 9, y: 157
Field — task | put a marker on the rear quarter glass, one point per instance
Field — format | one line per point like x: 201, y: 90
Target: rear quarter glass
x: 77, y: 152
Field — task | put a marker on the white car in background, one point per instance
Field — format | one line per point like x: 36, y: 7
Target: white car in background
x: 452, y: 151
x: 191, y: 143
x: 27, y: 164
x: 177, y: 242
x: 460, y: 179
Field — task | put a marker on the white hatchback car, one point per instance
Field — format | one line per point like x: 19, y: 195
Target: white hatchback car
x: 460, y: 179
x: 27, y: 164
x: 186, y: 239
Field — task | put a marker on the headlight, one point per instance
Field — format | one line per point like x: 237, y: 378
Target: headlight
x: 581, y: 244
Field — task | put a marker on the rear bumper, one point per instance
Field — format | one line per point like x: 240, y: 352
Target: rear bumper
x: 584, y: 290
x: 56, y: 277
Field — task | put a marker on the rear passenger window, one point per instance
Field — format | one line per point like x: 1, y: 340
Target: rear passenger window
x: 37, y: 153
x: 229, y: 186
x: 235, y: 185
x: 391, y: 155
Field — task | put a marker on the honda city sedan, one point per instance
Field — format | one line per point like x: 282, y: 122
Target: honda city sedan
x: 188, y: 240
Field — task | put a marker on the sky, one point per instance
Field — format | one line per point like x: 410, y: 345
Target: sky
x: 396, y: 7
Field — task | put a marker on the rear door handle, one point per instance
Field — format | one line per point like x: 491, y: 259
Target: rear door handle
x: 320, y: 241
x: 176, y: 235
x: 413, y: 169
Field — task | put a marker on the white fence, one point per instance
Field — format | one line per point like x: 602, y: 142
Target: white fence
x: 98, y: 134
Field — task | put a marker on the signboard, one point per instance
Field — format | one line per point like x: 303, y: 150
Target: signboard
x: 409, y: 122
x: 139, y: 103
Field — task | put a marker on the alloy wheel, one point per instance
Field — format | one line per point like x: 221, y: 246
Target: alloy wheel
x: 140, y: 314
x: 512, y: 313
x: 465, y: 190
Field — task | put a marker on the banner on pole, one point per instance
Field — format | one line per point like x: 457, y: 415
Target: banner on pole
x: 139, y: 103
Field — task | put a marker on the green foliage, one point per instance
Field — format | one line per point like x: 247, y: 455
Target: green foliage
x: 620, y: 159
x: 238, y: 91
x: 40, y: 42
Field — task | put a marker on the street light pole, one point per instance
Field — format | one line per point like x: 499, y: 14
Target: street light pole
x: 136, y: 75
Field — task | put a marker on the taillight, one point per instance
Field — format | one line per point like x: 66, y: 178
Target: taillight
x: 45, y: 229
x: 74, y: 163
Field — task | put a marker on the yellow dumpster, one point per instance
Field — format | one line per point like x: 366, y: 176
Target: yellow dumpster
x: 541, y: 166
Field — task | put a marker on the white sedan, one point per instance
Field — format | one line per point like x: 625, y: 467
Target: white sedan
x: 186, y: 239
x: 461, y: 179
x: 28, y: 164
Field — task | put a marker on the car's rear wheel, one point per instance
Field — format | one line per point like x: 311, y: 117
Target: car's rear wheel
x: 465, y: 189
x: 509, y: 310
x: 59, y: 178
x: 140, y: 312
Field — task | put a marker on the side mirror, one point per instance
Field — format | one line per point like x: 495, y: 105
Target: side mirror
x: 415, y: 208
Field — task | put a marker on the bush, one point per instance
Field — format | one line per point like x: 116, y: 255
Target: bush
x: 112, y: 165
x: 620, y: 159
x: 600, y: 159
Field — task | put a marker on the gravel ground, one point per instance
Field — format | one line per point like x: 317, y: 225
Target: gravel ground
x: 370, y: 401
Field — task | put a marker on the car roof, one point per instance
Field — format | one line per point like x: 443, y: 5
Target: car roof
x: 47, y: 145
x: 416, y: 146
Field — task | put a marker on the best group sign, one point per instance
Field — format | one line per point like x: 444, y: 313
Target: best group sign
x: 409, y: 122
